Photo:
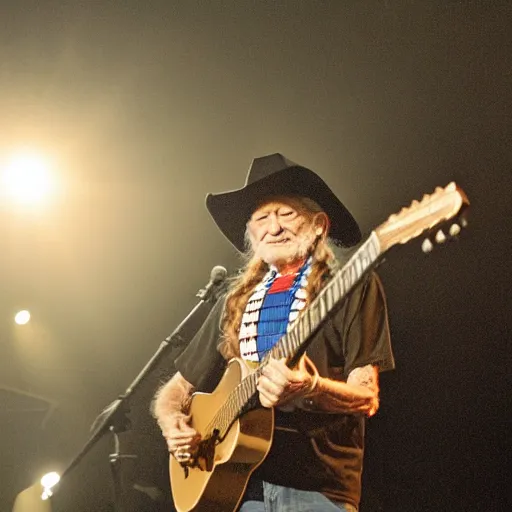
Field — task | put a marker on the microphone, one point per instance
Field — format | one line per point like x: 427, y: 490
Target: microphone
x: 218, y: 274
x: 209, y: 294
x: 217, y: 277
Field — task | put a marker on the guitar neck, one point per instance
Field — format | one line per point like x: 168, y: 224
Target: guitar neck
x: 293, y: 344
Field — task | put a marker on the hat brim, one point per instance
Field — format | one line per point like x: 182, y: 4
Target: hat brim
x: 232, y: 210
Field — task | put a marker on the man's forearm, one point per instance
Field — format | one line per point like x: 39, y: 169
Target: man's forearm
x: 170, y: 400
x: 335, y: 396
x: 359, y: 395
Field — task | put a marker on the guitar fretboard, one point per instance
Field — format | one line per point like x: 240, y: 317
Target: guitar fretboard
x: 295, y: 341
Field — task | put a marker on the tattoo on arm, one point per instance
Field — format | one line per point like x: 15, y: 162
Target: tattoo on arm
x: 366, y: 376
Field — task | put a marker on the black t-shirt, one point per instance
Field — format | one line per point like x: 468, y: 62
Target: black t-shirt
x: 313, y: 450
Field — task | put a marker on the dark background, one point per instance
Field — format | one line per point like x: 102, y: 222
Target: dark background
x: 145, y: 107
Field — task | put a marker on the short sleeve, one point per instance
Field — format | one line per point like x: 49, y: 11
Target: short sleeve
x: 366, y: 328
x: 201, y: 363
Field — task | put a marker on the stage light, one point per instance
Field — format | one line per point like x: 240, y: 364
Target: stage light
x: 26, y: 178
x: 50, y: 480
x: 22, y: 317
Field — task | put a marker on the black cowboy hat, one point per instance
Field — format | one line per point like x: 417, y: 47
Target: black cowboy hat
x: 275, y: 175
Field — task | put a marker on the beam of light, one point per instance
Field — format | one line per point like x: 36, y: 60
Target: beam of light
x: 26, y: 178
x: 30, y: 500
x: 22, y: 317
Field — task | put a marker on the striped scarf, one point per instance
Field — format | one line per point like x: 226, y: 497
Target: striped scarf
x: 274, y: 305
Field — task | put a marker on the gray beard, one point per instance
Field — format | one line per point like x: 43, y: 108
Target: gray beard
x: 287, y: 254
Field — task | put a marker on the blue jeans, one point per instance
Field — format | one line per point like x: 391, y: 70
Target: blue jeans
x: 285, y: 499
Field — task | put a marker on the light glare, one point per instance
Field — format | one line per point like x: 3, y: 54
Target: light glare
x: 26, y: 178
x: 50, y: 480
x: 22, y: 317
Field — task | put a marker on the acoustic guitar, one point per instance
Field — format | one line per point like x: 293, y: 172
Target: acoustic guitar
x: 236, y: 433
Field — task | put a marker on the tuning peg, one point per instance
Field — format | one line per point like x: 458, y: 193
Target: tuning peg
x: 440, y: 237
x: 455, y: 229
x: 463, y: 222
x: 427, y: 246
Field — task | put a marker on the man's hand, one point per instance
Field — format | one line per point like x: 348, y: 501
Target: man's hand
x: 279, y: 385
x: 180, y: 436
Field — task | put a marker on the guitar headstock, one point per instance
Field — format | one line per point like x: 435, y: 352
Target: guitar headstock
x: 433, y: 210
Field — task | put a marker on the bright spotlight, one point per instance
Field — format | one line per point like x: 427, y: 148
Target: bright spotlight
x: 50, y: 480
x: 22, y: 317
x: 26, y: 178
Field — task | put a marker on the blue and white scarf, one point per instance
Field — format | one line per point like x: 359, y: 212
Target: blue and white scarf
x: 268, y: 316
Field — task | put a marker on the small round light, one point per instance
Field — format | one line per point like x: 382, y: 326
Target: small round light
x: 49, y: 480
x: 22, y: 317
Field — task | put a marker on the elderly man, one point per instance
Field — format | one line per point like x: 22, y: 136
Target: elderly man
x: 284, y: 219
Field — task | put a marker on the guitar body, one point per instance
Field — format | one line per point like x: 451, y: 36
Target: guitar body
x: 241, y: 451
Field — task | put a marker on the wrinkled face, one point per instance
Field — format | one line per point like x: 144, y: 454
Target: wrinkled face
x: 282, y: 230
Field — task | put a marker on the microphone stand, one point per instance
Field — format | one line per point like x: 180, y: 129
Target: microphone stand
x: 114, y: 417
